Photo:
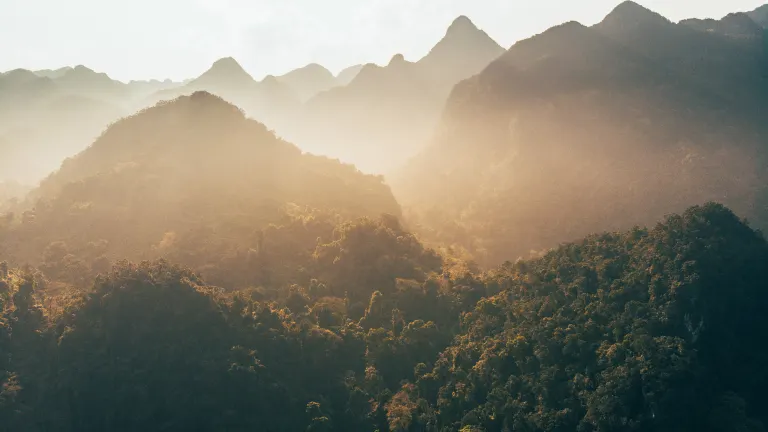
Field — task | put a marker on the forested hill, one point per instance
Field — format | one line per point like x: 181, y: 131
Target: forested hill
x: 654, y: 329
x: 184, y: 176
x: 582, y: 129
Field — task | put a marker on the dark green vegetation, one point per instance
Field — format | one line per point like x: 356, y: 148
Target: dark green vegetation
x: 584, y: 129
x: 651, y: 329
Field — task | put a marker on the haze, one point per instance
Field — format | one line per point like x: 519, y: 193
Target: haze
x: 179, y: 39
x: 383, y: 216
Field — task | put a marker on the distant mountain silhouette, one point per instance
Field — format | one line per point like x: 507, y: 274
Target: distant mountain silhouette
x: 348, y: 74
x: 309, y: 80
x: 268, y: 101
x: 224, y: 72
x: 384, y: 114
x: 53, y: 73
x: 583, y: 129
x: 83, y: 80
x: 735, y: 24
x: 182, y: 167
x: 45, y: 120
x: 463, y: 52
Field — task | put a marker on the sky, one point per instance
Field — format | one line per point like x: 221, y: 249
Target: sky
x: 179, y: 39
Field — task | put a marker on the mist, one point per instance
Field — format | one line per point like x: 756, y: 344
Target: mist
x: 565, y: 234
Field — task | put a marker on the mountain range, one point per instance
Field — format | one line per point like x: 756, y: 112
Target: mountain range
x: 550, y: 260
x: 581, y: 129
x: 385, y: 114
x: 574, y: 112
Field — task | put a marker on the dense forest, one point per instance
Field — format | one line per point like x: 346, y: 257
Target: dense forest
x: 576, y: 244
x: 648, y: 329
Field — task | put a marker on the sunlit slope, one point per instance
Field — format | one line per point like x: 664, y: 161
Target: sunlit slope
x: 194, y: 163
x: 583, y: 129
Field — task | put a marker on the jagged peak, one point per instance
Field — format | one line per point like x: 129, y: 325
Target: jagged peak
x: 630, y: 13
x: 397, y: 59
x: 462, y: 38
x: 227, y: 71
x: 81, y: 68
x: 227, y: 65
x: 462, y: 25
x: 270, y: 80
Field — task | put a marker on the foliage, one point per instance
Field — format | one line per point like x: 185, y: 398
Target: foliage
x: 650, y: 329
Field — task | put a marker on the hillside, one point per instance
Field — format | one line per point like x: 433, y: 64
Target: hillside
x: 760, y: 15
x: 385, y: 114
x: 181, y: 171
x: 348, y: 74
x: 629, y: 331
x: 654, y: 329
x: 583, y: 129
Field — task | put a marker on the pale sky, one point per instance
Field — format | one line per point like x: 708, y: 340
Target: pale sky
x: 178, y: 39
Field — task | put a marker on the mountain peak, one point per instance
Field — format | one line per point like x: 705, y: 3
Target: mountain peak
x: 462, y: 25
x: 227, y: 64
x: 82, y: 68
x: 397, y: 59
x: 225, y: 71
x: 630, y: 14
x: 316, y: 67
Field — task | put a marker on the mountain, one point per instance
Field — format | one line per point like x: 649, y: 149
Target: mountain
x: 463, y: 52
x: 583, y: 129
x: 141, y: 89
x: 194, y: 166
x: 87, y: 82
x: 622, y: 331
x: 384, y: 115
x: 375, y: 120
x: 268, y: 101
x: 650, y: 329
x: 760, y: 15
x: 225, y: 73
x: 74, y: 110
x: 348, y: 74
x: 53, y: 73
x: 735, y: 24
x: 308, y: 81
x: 71, y: 121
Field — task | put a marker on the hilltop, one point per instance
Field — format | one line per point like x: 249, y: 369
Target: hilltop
x: 191, y: 167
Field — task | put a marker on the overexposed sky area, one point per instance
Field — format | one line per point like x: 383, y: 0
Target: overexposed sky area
x: 178, y: 39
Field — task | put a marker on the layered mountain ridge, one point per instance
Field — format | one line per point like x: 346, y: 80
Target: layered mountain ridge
x: 385, y: 114
x: 583, y: 129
